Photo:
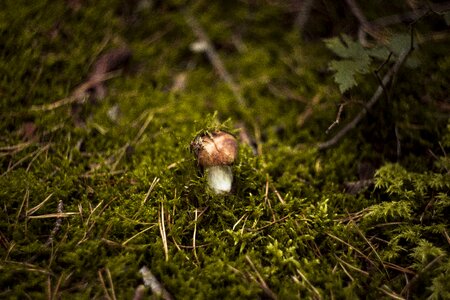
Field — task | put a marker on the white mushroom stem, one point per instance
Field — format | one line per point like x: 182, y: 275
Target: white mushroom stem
x: 220, y: 178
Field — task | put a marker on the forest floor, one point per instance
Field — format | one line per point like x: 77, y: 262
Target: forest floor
x: 341, y: 186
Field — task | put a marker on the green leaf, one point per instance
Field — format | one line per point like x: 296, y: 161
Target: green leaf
x: 355, y: 60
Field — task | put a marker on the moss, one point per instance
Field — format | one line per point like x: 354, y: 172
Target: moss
x: 288, y: 229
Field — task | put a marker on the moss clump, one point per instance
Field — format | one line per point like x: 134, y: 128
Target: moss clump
x: 93, y: 190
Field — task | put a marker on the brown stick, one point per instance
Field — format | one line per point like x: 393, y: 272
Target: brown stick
x: 379, y: 91
x: 214, y: 58
x: 303, y: 14
x: 365, y: 24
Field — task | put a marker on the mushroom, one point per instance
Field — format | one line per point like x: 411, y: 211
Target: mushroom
x: 215, y: 154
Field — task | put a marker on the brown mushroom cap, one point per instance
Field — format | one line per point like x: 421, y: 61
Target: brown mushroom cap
x: 216, y: 149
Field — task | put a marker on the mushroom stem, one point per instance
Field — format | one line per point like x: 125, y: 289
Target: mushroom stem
x: 220, y: 178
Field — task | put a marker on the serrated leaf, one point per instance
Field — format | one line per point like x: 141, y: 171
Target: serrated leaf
x: 344, y: 76
x: 345, y: 47
x: 356, y: 60
x: 346, y: 71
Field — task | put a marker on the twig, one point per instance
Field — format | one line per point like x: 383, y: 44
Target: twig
x: 309, y: 283
x: 307, y: 113
x: 58, y: 222
x: 366, y: 26
x: 152, y: 282
x: 370, y: 104
x: 111, y: 284
x: 338, y: 118
x: 79, y: 94
x: 137, y: 234
x: 214, y: 57
x: 351, y: 267
x: 410, y: 15
x: 390, y: 293
x: 377, y: 75
x: 261, y: 280
x: 102, y: 282
x: 352, y: 247
x: 303, y: 15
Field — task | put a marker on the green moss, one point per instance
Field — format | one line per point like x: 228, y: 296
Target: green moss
x: 288, y: 229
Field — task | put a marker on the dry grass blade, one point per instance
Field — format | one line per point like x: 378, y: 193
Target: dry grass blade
x: 309, y: 283
x: 194, y: 236
x: 33, y: 154
x: 262, y: 283
x: 270, y: 224
x: 370, y: 245
x: 24, y: 266
x: 239, y: 221
x: 102, y: 282
x: 413, y: 281
x: 346, y: 272
x: 55, y: 215
x: 79, y: 94
x: 14, y: 148
x: 25, y: 200
x: 214, y: 58
x: 390, y: 293
x: 37, y: 207
x: 162, y: 230
x: 111, y: 283
x: 352, y: 247
x: 137, y: 234
x: 351, y: 266
x: 150, y: 189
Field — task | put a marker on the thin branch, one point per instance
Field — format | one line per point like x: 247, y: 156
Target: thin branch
x: 365, y: 24
x: 214, y: 57
x: 261, y: 280
x: 377, y: 75
x: 338, y: 118
x: 303, y: 14
x: 58, y: 222
x: 162, y: 229
x: 375, y: 97
x: 153, y: 283
x: 194, y: 236
x: 410, y: 15
x: 309, y: 283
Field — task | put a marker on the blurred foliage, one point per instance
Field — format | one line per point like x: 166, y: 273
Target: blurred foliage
x: 122, y: 168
